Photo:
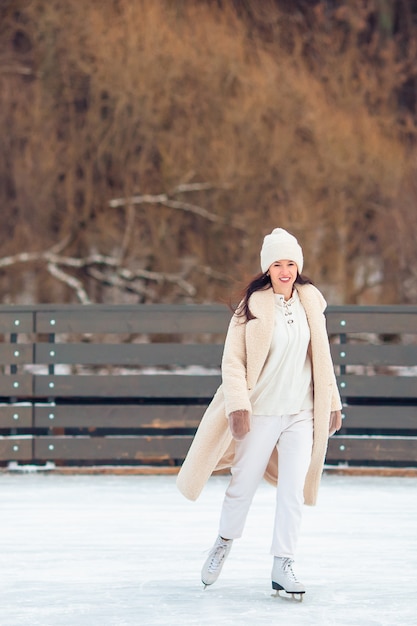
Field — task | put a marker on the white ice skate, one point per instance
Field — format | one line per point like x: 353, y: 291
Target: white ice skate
x: 284, y: 579
x: 215, y: 560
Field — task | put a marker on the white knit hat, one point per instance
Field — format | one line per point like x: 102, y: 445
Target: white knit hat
x: 280, y: 245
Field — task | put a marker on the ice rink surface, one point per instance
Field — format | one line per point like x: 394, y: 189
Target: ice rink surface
x: 106, y: 550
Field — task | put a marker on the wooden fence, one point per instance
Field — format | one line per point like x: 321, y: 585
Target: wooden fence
x: 127, y: 385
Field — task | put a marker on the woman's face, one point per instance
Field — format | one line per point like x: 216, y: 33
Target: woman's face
x: 283, y: 274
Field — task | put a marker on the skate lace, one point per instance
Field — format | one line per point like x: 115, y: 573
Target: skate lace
x: 217, y: 557
x: 287, y: 567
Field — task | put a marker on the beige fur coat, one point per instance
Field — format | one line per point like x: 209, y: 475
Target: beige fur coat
x: 245, y: 351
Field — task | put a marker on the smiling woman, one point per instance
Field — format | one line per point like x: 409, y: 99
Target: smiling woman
x: 283, y: 275
x: 273, y: 414
x: 282, y: 271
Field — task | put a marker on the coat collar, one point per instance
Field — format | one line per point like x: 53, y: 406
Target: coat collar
x: 262, y: 306
x: 262, y: 302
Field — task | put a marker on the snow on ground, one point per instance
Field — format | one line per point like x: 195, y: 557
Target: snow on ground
x: 106, y: 550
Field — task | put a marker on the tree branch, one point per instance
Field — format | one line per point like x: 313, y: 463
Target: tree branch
x: 165, y: 200
x: 71, y: 281
x: 122, y: 277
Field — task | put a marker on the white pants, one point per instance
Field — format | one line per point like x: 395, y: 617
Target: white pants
x: 293, y: 436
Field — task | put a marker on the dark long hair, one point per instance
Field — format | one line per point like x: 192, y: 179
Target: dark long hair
x: 261, y: 282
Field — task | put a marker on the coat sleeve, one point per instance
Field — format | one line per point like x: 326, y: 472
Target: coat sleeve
x: 234, y: 362
x: 336, y: 403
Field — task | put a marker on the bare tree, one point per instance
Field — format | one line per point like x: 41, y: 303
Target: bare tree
x: 288, y: 116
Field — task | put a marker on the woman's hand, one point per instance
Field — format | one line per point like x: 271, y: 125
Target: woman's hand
x: 239, y: 423
x: 335, y: 422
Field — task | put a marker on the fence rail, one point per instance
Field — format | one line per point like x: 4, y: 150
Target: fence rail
x: 97, y: 384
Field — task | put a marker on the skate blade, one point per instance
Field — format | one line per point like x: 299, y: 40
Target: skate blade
x: 293, y: 597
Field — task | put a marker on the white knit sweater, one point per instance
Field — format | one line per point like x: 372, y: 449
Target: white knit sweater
x: 284, y: 385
